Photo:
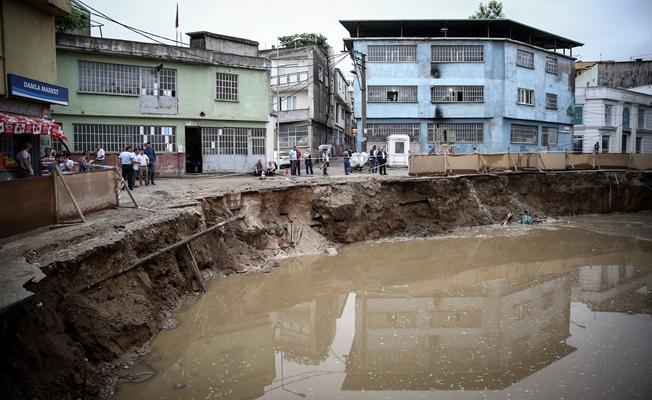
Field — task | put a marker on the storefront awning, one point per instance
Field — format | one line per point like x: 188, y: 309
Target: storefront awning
x: 18, y: 124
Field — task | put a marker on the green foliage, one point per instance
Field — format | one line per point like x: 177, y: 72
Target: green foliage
x: 304, y: 39
x: 493, y: 10
x: 77, y: 20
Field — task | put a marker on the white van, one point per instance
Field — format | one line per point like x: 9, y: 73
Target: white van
x: 398, y: 150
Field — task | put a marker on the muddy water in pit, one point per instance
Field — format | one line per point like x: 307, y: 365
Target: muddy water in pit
x: 555, y: 311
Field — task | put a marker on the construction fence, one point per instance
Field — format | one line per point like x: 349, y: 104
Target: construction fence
x: 424, y: 165
x: 45, y: 200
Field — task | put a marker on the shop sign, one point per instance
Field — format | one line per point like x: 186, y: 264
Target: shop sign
x: 20, y: 86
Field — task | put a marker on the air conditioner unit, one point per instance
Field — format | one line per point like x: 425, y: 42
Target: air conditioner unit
x: 439, y: 113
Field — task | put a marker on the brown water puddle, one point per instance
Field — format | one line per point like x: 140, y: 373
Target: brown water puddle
x: 561, y: 310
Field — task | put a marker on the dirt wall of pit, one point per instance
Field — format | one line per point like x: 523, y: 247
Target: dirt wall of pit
x: 63, y: 342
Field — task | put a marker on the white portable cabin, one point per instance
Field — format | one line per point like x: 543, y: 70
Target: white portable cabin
x: 398, y: 150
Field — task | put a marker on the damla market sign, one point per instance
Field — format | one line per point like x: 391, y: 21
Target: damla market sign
x: 20, y: 86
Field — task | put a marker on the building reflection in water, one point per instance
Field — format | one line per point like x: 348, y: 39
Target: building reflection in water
x: 484, y: 335
x: 615, y: 288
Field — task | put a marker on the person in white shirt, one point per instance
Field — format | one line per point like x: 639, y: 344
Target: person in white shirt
x: 128, y: 159
x: 143, y: 162
x: 99, y: 155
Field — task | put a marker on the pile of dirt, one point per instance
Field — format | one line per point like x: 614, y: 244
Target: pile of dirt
x: 64, y: 341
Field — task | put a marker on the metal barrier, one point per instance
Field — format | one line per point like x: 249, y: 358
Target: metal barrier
x: 44, y: 200
x: 423, y: 165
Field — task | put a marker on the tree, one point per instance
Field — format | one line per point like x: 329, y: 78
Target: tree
x: 493, y: 10
x: 76, y: 21
x: 304, y: 39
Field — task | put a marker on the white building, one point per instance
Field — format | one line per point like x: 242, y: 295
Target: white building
x: 620, y: 120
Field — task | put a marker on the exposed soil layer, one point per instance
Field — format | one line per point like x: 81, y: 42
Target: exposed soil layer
x: 64, y: 341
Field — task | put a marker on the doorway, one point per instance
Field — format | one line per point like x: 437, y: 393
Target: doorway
x: 193, y: 150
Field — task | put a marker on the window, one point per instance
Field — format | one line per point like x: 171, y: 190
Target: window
x: 457, y: 53
x: 379, y: 132
x: 608, y: 111
x: 288, y: 103
x: 226, y: 88
x: 524, y: 59
x: 115, y: 138
x: 577, y: 115
x: 525, y: 134
x: 126, y: 80
x: 392, y: 94
x: 551, y: 65
x: 457, y: 94
x: 548, y: 300
x: 578, y: 143
x: 321, y: 74
x: 456, y: 319
x: 551, y: 101
x: 626, y: 118
x: 392, y: 53
x: 258, y: 141
x: 549, y: 136
x: 399, y: 147
x: 293, y: 136
x: 525, y: 96
x: 605, y: 143
x: 641, y: 119
x: 455, y: 133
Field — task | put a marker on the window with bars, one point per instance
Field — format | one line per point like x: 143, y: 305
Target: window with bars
x: 378, y: 132
x: 551, y: 101
x: 455, y: 133
x: 293, y: 136
x: 114, y: 138
x: 608, y: 114
x: 126, y: 80
x: 525, y: 96
x: 457, y: 53
x: 392, y: 94
x: 392, y: 53
x: 577, y: 115
x: 258, y: 141
x: 524, y: 134
x: 226, y: 88
x: 457, y: 94
x: 549, y: 136
x: 551, y: 65
x: 524, y: 59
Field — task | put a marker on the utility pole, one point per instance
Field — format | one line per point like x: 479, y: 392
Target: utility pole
x: 363, y: 92
x: 278, y: 104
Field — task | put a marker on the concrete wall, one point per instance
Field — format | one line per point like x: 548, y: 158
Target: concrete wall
x: 31, y: 55
x: 499, y: 75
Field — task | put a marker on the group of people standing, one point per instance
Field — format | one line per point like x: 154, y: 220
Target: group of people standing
x: 295, y: 161
x: 378, y: 160
x: 140, y: 163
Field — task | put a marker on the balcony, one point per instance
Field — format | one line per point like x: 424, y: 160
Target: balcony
x: 294, y: 115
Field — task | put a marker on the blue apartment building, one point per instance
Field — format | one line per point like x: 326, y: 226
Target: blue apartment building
x: 486, y: 85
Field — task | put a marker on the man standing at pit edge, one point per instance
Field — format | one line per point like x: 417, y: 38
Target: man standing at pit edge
x: 151, y: 166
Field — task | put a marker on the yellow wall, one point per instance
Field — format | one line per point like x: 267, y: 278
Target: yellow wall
x: 28, y: 45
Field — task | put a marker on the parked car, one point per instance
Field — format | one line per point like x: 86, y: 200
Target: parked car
x: 282, y: 159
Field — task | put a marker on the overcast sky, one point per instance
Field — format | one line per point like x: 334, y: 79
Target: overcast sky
x: 613, y: 30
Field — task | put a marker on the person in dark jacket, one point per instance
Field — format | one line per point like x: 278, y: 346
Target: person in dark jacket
x: 372, y: 160
x: 151, y: 166
x: 347, y: 161
x: 382, y: 161
x: 308, y: 162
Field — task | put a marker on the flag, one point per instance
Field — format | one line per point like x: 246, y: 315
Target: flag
x: 176, y: 21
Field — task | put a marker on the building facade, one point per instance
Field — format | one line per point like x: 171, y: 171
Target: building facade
x: 622, y: 74
x: 312, y: 109
x: 28, y: 70
x: 490, y: 86
x: 619, y: 120
x: 204, y: 108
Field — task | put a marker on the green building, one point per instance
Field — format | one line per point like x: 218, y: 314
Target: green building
x: 28, y: 77
x: 204, y: 108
